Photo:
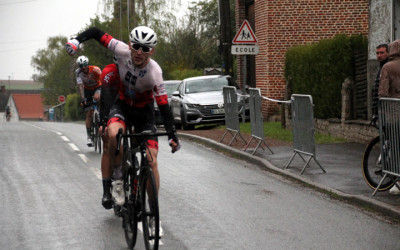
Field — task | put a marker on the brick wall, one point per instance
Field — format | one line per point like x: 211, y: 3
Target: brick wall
x: 281, y: 24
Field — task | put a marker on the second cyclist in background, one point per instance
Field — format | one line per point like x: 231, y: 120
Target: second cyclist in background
x: 89, y: 83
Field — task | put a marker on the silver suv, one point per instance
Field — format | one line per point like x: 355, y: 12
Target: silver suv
x: 199, y: 100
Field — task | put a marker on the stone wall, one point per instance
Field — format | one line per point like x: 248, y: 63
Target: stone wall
x: 354, y: 130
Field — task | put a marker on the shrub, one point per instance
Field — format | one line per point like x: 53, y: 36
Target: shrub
x: 319, y: 70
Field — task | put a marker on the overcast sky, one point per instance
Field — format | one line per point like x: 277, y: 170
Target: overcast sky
x: 25, y: 26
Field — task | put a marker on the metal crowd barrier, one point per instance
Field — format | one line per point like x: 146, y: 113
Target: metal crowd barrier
x: 256, y: 120
x: 303, y: 129
x: 389, y: 133
x: 231, y: 114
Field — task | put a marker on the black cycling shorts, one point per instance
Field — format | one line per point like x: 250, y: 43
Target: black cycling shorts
x: 141, y: 118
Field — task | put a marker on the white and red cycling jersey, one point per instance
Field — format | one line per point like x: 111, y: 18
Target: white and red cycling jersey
x: 91, y: 80
x: 139, y: 86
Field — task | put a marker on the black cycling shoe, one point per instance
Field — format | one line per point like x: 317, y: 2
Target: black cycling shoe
x: 107, y: 201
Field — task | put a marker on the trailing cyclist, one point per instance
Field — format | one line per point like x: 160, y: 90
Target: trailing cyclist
x: 142, y: 81
x: 89, y: 83
x: 8, y: 113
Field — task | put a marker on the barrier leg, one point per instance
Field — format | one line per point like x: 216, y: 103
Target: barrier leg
x: 319, y: 165
x: 248, y: 144
x: 290, y: 160
x: 379, y: 185
x: 308, y: 161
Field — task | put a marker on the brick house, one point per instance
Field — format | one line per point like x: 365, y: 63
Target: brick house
x: 282, y: 24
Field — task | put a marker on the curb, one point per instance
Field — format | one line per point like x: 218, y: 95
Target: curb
x: 360, y: 200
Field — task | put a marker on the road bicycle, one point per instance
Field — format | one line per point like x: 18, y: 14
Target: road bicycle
x: 141, y: 202
x: 8, y: 117
x: 372, y: 166
x: 95, y: 128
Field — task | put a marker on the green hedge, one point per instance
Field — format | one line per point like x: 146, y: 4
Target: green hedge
x: 319, y: 70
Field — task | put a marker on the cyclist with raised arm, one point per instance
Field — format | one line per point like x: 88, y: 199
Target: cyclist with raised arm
x: 88, y: 81
x: 110, y: 83
x: 142, y: 81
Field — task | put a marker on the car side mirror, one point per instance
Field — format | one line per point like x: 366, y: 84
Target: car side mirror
x: 175, y: 93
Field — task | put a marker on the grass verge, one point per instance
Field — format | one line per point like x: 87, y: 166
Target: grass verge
x: 274, y: 130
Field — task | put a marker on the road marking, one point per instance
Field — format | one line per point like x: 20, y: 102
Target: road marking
x: 64, y: 138
x: 97, y: 172
x: 140, y: 228
x: 75, y: 148
x: 83, y: 157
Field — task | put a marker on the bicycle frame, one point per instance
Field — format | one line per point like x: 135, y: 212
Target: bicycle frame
x: 139, y: 183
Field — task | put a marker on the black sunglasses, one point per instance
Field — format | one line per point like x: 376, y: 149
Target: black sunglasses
x: 145, y: 49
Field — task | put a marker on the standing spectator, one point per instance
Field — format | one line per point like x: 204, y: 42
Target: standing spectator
x: 382, y: 55
x: 389, y: 85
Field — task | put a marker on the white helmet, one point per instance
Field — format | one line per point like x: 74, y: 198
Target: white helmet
x: 82, y: 61
x: 144, y: 36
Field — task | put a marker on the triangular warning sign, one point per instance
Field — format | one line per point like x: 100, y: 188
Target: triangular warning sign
x: 245, y: 34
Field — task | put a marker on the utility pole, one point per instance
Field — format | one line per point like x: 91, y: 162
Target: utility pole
x: 225, y: 37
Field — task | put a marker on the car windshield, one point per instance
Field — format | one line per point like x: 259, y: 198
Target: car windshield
x: 206, y: 85
x: 171, y: 88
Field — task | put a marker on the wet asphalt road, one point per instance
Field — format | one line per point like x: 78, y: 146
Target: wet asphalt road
x: 51, y: 190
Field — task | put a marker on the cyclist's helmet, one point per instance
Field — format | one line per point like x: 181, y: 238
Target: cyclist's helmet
x: 143, y: 35
x: 82, y: 61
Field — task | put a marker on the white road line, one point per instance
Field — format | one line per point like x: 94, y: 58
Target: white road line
x: 64, y: 138
x: 75, y: 148
x: 140, y: 228
x: 83, y: 157
x: 97, y: 172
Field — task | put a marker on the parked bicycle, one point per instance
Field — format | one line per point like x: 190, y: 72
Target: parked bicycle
x: 372, y: 165
x: 141, y: 203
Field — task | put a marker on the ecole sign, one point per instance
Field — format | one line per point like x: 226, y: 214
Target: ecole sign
x: 245, y: 41
x: 245, y: 49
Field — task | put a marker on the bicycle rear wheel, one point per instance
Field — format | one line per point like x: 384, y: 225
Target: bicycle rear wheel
x: 150, y: 212
x: 96, y: 135
x: 372, y: 166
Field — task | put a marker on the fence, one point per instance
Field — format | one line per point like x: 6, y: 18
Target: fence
x: 389, y: 133
x: 231, y: 113
x: 256, y: 120
x: 56, y: 113
x: 302, y: 123
x: 303, y: 129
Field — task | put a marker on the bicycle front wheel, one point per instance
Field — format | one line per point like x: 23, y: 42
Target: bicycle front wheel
x: 372, y: 166
x: 130, y: 215
x: 150, y: 212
